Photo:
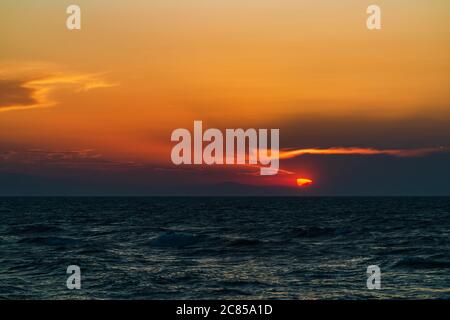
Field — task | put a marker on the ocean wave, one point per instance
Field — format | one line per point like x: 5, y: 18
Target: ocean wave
x: 35, y: 228
x: 422, y: 263
x: 175, y: 239
x: 178, y: 239
x: 50, y: 241
x: 313, y: 232
x: 231, y: 292
x: 243, y: 242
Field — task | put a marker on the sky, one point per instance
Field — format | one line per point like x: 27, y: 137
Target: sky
x: 91, y: 111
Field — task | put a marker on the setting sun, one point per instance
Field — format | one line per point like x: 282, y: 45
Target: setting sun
x: 303, y: 182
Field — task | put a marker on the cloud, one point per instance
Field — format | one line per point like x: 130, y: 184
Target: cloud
x: 85, y: 158
x: 255, y: 170
x: 31, y: 88
x: 292, y: 153
x: 12, y: 93
x: 235, y: 169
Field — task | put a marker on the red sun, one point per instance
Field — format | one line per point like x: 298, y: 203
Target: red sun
x: 303, y: 182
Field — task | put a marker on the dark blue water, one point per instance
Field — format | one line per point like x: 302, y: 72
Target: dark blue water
x: 224, y: 248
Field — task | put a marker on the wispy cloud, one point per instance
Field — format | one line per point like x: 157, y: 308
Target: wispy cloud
x: 29, y: 89
x: 292, y: 153
x: 85, y: 158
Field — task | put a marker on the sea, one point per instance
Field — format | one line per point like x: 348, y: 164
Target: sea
x: 225, y: 247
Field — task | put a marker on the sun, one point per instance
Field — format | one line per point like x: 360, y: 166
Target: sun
x: 304, y: 182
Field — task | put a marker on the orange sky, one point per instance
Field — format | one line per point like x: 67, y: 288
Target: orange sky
x: 135, y: 72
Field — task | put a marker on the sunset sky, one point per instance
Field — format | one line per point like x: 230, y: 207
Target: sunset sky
x: 91, y: 111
